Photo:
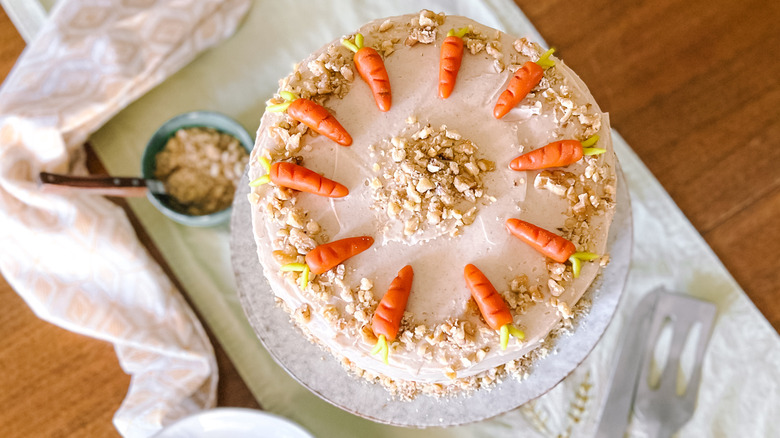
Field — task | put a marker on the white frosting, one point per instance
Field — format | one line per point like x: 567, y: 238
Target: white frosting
x: 439, y: 292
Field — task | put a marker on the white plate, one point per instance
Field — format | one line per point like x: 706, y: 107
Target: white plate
x: 233, y: 423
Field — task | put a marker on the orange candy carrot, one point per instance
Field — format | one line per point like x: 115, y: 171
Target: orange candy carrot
x: 491, y: 304
x: 449, y: 61
x: 297, y: 177
x: 547, y: 243
x: 550, y: 244
x: 556, y: 154
x: 372, y: 69
x: 329, y: 255
x: 390, y: 311
x: 314, y: 116
x: 522, y: 82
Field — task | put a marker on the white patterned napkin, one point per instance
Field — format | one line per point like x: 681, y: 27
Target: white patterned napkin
x: 75, y: 259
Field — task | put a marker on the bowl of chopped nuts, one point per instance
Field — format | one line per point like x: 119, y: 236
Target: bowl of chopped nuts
x: 199, y: 157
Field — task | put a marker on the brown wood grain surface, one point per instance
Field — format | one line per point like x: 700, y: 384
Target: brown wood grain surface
x: 692, y: 85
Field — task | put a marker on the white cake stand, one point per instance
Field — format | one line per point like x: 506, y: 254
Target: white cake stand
x: 324, y: 376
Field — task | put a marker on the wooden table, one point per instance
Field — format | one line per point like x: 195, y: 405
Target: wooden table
x: 692, y: 85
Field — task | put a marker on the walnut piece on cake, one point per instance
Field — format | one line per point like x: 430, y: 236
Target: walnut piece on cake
x: 429, y: 179
x: 424, y: 28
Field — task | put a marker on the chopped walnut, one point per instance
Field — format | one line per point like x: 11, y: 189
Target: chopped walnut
x: 288, y: 143
x: 302, y: 314
x: 527, y: 48
x: 556, y: 270
x: 591, y: 122
x: 428, y: 179
x: 200, y: 168
x: 385, y: 26
x: 301, y: 241
x: 476, y: 42
x: 558, y: 182
x: 368, y: 335
x: 424, y: 28
x: 330, y: 312
x: 536, y: 294
x: 562, y: 307
x: 329, y: 74
x: 283, y: 257
x: 386, y: 48
x: 555, y: 288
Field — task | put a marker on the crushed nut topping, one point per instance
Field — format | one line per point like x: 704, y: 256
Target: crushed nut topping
x: 429, y: 180
x: 518, y: 369
x: 556, y: 181
x: 329, y: 74
x: 302, y: 314
x: 386, y: 25
x: 563, y: 308
x: 200, y: 168
x: 582, y: 196
x: 424, y: 28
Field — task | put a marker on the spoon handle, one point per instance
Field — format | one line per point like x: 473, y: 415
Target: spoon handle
x: 96, y: 185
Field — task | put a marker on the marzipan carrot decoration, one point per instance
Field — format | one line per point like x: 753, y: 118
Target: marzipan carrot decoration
x: 549, y: 244
x: 327, y: 256
x: 390, y: 311
x: 556, y: 154
x: 314, y: 116
x: 449, y: 61
x: 372, y: 69
x: 491, y: 304
x: 297, y: 177
x: 523, y: 81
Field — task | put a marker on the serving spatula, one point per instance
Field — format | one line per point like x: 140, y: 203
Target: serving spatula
x: 658, y: 408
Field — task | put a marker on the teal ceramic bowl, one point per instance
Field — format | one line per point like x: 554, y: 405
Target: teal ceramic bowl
x: 202, y: 119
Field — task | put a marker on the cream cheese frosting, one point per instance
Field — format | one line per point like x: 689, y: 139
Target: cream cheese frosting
x: 444, y: 344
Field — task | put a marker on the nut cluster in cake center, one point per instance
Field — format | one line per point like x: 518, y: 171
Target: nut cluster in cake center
x: 429, y: 182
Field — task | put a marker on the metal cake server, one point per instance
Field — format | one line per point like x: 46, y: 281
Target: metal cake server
x: 659, y: 409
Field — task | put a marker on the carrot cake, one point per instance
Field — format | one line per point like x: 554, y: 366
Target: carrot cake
x: 377, y: 186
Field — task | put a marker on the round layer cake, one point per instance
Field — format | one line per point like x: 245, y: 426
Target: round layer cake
x: 429, y: 180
